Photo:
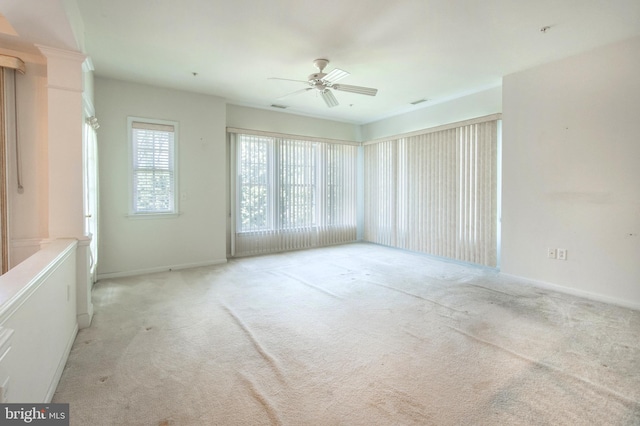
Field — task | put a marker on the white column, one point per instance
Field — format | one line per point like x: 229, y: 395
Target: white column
x: 66, y: 183
x: 64, y: 95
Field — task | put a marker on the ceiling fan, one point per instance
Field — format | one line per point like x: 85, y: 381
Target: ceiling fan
x: 324, y: 82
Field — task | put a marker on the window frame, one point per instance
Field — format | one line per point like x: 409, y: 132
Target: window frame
x: 316, y: 182
x: 271, y: 187
x: 133, y: 211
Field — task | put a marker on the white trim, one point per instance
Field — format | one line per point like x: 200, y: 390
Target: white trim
x: 87, y: 65
x: 63, y: 88
x: 6, y: 335
x: 152, y: 215
x: 56, y: 52
x: 136, y: 272
x: 27, y: 282
x: 5, y: 342
x: 88, y: 106
x: 360, y: 194
x: 499, y: 195
x: 449, y: 126
x: 61, y: 365
x: 292, y: 137
x: 84, y: 320
x: 597, y: 297
x: 233, y: 191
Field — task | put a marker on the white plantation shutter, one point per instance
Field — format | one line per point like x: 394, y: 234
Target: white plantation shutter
x: 153, y: 172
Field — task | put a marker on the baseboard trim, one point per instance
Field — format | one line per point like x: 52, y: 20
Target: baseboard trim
x: 133, y: 273
x: 597, y: 297
x: 84, y: 320
x: 63, y: 362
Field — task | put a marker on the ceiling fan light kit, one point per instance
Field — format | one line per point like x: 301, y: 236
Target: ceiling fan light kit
x: 324, y: 82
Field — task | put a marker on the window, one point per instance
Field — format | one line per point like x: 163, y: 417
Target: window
x: 436, y: 192
x: 292, y: 193
x: 298, y: 184
x: 153, y: 166
x: 254, y: 184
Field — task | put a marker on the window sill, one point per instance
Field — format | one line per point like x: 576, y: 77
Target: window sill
x: 153, y: 215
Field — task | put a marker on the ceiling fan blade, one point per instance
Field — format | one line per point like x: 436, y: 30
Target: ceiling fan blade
x: 355, y: 89
x: 329, y: 98
x: 295, y: 93
x: 287, y: 79
x: 335, y: 75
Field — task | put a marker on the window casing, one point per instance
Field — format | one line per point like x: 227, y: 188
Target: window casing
x: 153, y: 166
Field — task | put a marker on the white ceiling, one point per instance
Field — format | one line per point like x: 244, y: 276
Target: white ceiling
x: 408, y: 49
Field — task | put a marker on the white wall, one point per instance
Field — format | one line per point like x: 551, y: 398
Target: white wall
x: 197, y: 236
x: 475, y: 105
x: 28, y: 210
x: 571, y: 173
x: 276, y: 121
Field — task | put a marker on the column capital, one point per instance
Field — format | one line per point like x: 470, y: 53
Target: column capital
x: 64, y: 68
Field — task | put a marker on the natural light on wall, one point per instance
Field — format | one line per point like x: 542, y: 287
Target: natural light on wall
x: 435, y: 192
x: 291, y: 193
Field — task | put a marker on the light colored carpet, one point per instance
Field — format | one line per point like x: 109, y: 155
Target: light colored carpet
x: 350, y: 335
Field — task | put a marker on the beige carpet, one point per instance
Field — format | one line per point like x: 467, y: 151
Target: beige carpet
x: 350, y: 335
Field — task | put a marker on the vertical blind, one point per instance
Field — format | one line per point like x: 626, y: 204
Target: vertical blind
x: 6, y: 125
x: 9, y: 65
x: 292, y: 193
x: 153, y: 167
x: 435, y: 193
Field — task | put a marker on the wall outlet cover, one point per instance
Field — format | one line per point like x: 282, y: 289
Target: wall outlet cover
x: 562, y: 254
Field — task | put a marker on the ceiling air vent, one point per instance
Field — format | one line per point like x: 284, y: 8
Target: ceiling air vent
x: 419, y: 101
x: 279, y: 106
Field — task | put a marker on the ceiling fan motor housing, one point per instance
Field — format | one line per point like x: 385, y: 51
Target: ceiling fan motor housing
x: 321, y: 63
x: 313, y: 78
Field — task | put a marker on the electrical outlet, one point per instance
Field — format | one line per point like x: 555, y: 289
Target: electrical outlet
x: 562, y: 254
x: 551, y: 253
